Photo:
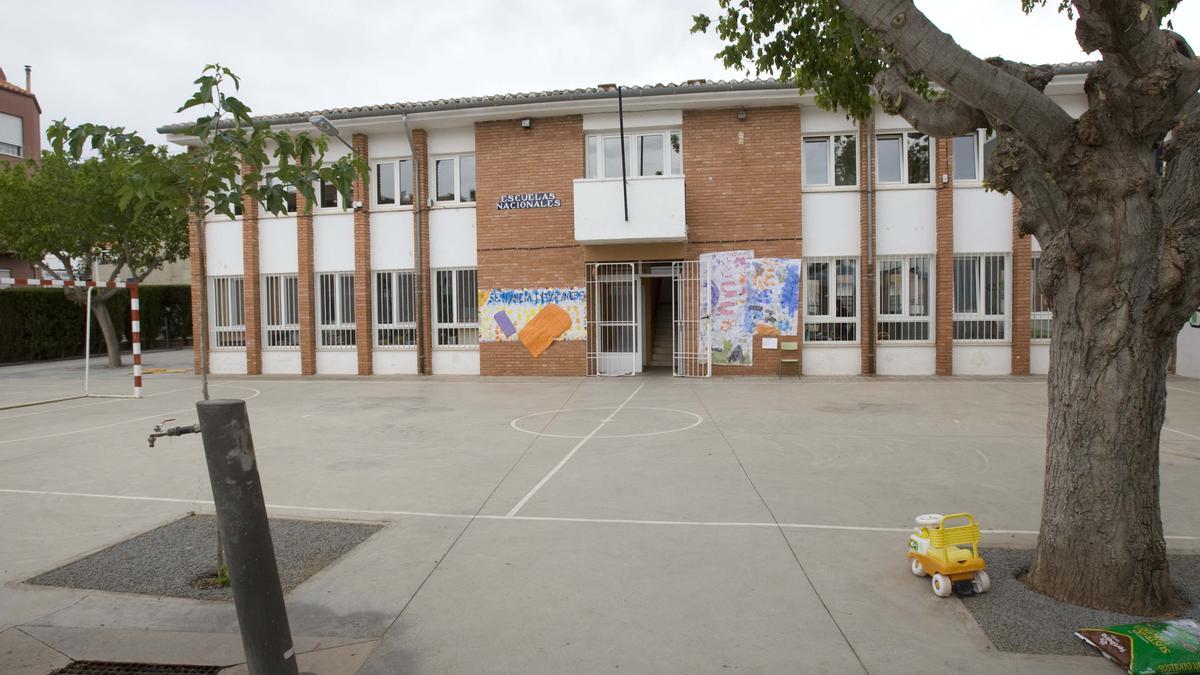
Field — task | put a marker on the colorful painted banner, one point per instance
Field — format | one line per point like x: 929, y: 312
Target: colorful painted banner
x: 726, y: 274
x: 772, y: 297
x: 503, y: 312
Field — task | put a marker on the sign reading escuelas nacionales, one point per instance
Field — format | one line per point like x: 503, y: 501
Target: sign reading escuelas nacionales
x: 528, y: 200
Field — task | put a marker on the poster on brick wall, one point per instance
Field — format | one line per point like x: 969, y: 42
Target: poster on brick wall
x: 726, y: 274
x: 772, y: 297
x: 503, y: 312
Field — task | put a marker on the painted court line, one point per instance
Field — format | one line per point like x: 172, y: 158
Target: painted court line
x: 545, y: 519
x: 1181, y: 433
x: 571, y: 454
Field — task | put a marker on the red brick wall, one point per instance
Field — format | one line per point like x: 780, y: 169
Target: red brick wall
x: 364, y: 335
x: 867, y: 250
x: 529, y: 248
x: 251, y: 282
x: 15, y: 101
x: 420, y: 150
x: 943, y: 320
x: 1022, y: 262
x: 306, y: 286
x: 743, y: 183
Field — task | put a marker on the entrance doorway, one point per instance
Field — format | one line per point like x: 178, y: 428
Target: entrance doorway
x: 647, y: 316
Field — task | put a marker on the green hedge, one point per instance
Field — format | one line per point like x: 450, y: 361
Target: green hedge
x: 42, y: 323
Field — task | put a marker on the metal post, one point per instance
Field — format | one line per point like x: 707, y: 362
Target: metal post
x: 242, y: 517
x: 87, y: 341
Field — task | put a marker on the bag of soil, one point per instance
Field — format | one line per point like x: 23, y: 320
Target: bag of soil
x: 1149, y: 648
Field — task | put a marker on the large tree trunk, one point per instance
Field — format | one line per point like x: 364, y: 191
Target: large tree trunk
x: 1101, y: 537
x: 112, y: 342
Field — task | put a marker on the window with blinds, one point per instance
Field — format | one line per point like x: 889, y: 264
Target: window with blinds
x: 456, y: 314
x: 281, y: 311
x: 227, y: 314
x: 1042, y: 318
x: 905, y: 311
x: 335, y: 310
x: 831, y: 300
x: 395, y: 309
x: 980, y: 299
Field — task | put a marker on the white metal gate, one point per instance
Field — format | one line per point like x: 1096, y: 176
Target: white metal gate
x: 613, y: 328
x: 691, y: 307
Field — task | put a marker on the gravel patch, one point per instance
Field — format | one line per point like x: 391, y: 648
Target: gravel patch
x: 1018, y: 619
x: 169, y: 559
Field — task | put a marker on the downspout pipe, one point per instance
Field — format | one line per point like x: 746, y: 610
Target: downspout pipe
x: 624, y: 172
x: 418, y: 278
x: 870, y: 262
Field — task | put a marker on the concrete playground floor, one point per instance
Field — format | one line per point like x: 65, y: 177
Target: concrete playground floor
x: 645, y: 525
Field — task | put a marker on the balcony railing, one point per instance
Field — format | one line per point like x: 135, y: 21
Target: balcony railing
x: 656, y: 210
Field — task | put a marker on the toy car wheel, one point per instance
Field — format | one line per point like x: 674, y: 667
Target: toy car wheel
x: 941, y: 585
x: 917, y: 569
x: 981, y: 582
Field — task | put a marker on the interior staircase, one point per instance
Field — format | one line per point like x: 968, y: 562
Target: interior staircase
x: 661, y: 355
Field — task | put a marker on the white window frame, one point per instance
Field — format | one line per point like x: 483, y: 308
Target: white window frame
x: 830, y: 159
x: 262, y: 209
x: 456, y: 325
x: 830, y: 319
x: 14, y: 149
x: 905, y: 315
x: 981, y: 315
x: 904, y: 183
x: 281, y: 285
x: 981, y: 136
x: 1041, y: 317
x: 457, y: 200
x: 594, y: 165
x: 317, y: 192
x: 396, y: 163
x: 394, y: 309
x: 227, y: 312
x: 340, y: 335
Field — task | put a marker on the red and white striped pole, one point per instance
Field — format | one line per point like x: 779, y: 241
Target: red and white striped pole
x: 135, y: 338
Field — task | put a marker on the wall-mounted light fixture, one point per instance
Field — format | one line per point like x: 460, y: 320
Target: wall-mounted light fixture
x: 526, y: 123
x: 742, y: 114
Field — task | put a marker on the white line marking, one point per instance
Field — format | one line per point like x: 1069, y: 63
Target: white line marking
x: 546, y: 519
x: 571, y: 454
x: 1181, y: 433
x: 117, y: 424
x: 89, y: 405
x: 697, y: 421
x: 1182, y: 389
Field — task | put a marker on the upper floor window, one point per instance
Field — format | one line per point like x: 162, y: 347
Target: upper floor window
x: 831, y: 160
x: 904, y: 158
x: 393, y: 182
x: 289, y: 196
x: 970, y: 163
x: 12, y: 134
x: 454, y: 179
x: 328, y: 196
x: 657, y: 153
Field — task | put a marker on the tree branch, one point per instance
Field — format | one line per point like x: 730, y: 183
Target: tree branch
x: 1008, y: 100
x: 944, y: 116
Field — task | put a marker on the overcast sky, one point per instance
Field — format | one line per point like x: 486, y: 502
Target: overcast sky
x: 132, y: 63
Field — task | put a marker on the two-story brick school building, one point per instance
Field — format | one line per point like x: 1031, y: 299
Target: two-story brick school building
x: 876, y: 248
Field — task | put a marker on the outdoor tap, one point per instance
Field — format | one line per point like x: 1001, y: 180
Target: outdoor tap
x: 159, y: 432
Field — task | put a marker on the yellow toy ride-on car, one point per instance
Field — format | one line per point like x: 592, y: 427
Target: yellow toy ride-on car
x: 950, y: 554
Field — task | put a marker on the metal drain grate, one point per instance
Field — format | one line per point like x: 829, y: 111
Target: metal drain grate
x: 109, y: 668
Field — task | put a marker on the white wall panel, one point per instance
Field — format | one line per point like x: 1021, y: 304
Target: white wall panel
x: 905, y: 360
x: 982, y: 221
x: 281, y: 362
x: 814, y: 120
x: 905, y: 222
x: 451, y: 141
x: 455, y: 362
x: 227, y: 362
x: 1039, y: 359
x: 831, y: 223
x: 983, y: 359
x: 277, y: 252
x: 650, y: 119
x: 224, y: 247
x: 1187, y: 358
x: 829, y: 360
x: 387, y: 144
x: 337, y: 362
x: 395, y: 362
x: 392, y: 240
x: 452, y: 237
x: 333, y: 242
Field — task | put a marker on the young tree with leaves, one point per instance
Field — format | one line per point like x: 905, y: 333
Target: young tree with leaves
x: 1121, y: 244
x: 69, y: 209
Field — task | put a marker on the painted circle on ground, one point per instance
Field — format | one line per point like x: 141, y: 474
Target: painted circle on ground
x: 690, y: 420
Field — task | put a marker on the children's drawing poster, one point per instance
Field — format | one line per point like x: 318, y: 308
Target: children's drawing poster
x: 772, y: 297
x: 726, y: 274
x: 503, y: 312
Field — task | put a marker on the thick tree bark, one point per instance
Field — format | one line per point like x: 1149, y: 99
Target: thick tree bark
x: 112, y: 342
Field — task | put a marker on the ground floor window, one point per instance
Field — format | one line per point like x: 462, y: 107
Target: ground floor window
x: 227, y: 312
x: 335, y: 310
x: 281, y: 311
x: 905, y: 310
x: 456, y: 315
x: 831, y: 300
x: 980, y: 299
x: 1042, y: 323
x: 395, y: 308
